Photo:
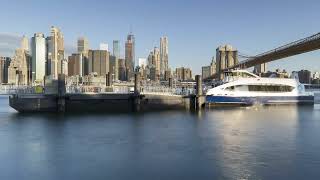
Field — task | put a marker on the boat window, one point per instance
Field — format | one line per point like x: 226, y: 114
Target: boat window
x: 230, y: 88
x: 265, y: 88
x: 270, y: 88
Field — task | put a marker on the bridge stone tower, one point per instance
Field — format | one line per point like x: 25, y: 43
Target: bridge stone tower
x: 226, y: 56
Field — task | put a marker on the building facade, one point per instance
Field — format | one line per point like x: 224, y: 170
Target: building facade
x: 38, y: 51
x: 55, y: 52
x: 209, y: 71
x: 154, y: 63
x: 113, y: 67
x: 25, y: 43
x: 116, y: 48
x: 130, y: 55
x: 164, y: 55
x: 167, y: 75
x: 83, y: 45
x: 122, y: 70
x: 75, y: 65
x: 19, y: 71
x: 4, y: 65
x: 98, y: 62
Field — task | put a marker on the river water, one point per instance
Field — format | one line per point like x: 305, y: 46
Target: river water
x: 275, y: 142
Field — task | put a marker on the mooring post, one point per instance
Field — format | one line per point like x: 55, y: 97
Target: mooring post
x: 137, y: 83
x: 107, y: 80
x: 170, y: 82
x: 110, y: 79
x: 200, y: 99
x: 61, y: 92
x: 136, y: 96
x: 198, y: 85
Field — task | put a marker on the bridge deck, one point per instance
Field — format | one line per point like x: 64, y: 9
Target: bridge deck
x: 304, y: 45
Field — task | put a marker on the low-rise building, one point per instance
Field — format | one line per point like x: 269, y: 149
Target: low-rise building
x: 209, y: 71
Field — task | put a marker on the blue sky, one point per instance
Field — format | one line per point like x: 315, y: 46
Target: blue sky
x: 195, y: 28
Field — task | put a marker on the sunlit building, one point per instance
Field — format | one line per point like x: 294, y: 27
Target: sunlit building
x: 98, y: 62
x: 19, y: 70
x: 38, y: 51
x: 55, y: 52
x: 164, y: 55
x: 209, y: 71
x: 130, y: 55
x: 83, y: 45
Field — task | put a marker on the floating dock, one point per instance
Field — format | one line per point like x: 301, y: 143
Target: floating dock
x: 105, y: 102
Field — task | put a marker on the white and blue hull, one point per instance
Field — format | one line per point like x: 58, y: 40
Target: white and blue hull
x: 264, y: 100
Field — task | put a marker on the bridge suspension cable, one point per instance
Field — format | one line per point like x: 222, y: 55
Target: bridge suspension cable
x: 300, y: 46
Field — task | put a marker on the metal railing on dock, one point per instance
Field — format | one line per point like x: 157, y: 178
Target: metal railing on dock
x: 161, y: 90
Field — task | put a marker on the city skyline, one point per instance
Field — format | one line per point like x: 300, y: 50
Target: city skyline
x: 190, y: 46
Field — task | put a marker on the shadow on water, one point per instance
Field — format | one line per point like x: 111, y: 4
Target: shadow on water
x: 198, y: 114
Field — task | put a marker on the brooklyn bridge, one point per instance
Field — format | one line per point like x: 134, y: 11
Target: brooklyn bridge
x: 300, y: 46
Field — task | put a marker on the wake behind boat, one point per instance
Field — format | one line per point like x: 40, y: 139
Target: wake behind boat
x: 245, y: 88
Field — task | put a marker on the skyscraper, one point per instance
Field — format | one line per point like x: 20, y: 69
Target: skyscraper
x: 122, y: 70
x: 113, y: 67
x: 154, y: 63
x: 164, y: 55
x: 19, y: 69
x: 55, y: 55
x: 116, y: 48
x: 38, y: 50
x: 83, y: 45
x: 116, y: 54
x: 130, y: 55
x: 24, y: 43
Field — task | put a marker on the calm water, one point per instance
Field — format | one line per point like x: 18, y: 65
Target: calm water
x: 237, y: 143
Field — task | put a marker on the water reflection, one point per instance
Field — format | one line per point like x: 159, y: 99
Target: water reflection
x: 276, y: 142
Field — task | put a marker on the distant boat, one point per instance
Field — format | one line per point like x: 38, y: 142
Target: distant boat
x: 244, y: 88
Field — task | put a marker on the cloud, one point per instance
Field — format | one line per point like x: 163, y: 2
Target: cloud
x: 8, y: 43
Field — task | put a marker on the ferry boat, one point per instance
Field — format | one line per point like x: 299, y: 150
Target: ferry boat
x: 241, y: 87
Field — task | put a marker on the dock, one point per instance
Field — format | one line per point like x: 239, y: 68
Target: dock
x: 59, y: 98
